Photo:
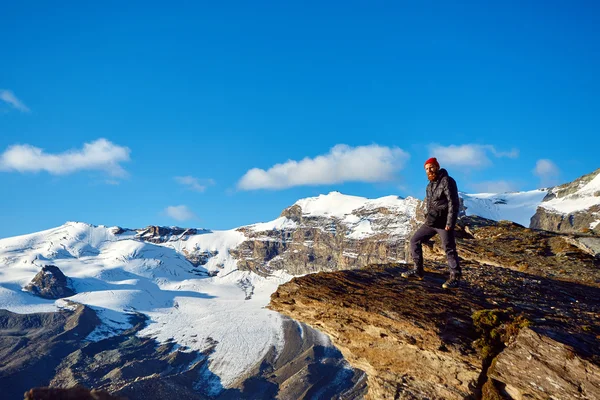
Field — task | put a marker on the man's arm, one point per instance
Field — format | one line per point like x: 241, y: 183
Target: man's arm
x: 451, y: 193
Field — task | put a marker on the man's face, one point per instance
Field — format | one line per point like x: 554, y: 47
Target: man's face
x: 431, y: 170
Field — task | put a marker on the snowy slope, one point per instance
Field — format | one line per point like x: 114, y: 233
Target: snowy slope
x: 585, y: 195
x: 518, y: 207
x: 117, y: 274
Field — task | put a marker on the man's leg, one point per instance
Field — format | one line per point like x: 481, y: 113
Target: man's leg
x: 423, y: 234
x: 449, y: 245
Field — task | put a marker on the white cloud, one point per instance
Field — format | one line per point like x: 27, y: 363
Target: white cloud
x: 193, y: 183
x: 180, y: 213
x: 9, y: 97
x: 547, y: 171
x: 494, y: 187
x: 468, y: 155
x: 342, y: 164
x: 101, y: 155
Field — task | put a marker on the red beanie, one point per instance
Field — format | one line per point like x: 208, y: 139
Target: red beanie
x: 433, y: 161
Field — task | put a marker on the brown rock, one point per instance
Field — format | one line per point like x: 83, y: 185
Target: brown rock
x: 415, y: 340
x: 536, y: 366
x: 50, y: 283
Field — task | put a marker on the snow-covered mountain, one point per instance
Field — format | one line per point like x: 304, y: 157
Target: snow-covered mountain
x: 571, y: 207
x: 518, y: 207
x: 116, y: 274
x: 200, y: 288
x: 204, y: 289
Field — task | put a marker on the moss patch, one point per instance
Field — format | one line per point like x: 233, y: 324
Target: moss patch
x: 497, y: 328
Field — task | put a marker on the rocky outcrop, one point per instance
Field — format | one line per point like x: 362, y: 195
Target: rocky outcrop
x: 571, y: 208
x: 557, y: 370
x: 305, y: 242
x: 311, y: 249
x: 50, y: 283
x: 415, y: 340
x: 576, y: 222
x: 162, y: 234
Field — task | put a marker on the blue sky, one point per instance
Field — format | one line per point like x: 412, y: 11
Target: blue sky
x: 216, y: 116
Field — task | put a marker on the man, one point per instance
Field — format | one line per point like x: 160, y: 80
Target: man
x: 442, y: 210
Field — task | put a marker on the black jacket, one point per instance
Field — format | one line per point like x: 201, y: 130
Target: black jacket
x: 442, y: 201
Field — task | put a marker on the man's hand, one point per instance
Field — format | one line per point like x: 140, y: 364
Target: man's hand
x: 448, y: 228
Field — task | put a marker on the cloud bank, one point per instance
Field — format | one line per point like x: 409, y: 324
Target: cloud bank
x: 547, y: 171
x: 468, y: 155
x: 9, y: 97
x: 100, y: 155
x: 494, y: 187
x: 180, y: 213
x: 193, y: 183
x: 342, y: 164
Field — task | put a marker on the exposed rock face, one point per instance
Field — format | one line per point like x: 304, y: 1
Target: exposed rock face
x: 33, y: 345
x: 571, y: 208
x: 305, y: 242
x: 50, y: 283
x: 415, y: 340
x: 564, y: 376
x: 162, y: 234
x: 576, y: 222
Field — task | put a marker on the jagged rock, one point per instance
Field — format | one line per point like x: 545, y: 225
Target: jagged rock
x: 294, y: 213
x: 117, y: 230
x: 162, y: 234
x: 198, y: 258
x: 538, y: 367
x: 577, y: 222
x: 50, y: 283
x: 585, y: 218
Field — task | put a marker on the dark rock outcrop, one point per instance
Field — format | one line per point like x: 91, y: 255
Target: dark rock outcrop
x: 50, y: 283
x: 76, y: 393
x: 162, y: 234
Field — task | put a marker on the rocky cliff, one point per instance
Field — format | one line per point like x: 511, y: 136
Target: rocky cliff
x: 524, y: 324
x: 328, y: 233
x: 571, y: 208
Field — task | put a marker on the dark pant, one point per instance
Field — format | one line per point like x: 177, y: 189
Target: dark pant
x: 423, y: 234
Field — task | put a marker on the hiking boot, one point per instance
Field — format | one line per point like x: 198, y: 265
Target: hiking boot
x: 451, y: 283
x: 413, y: 274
